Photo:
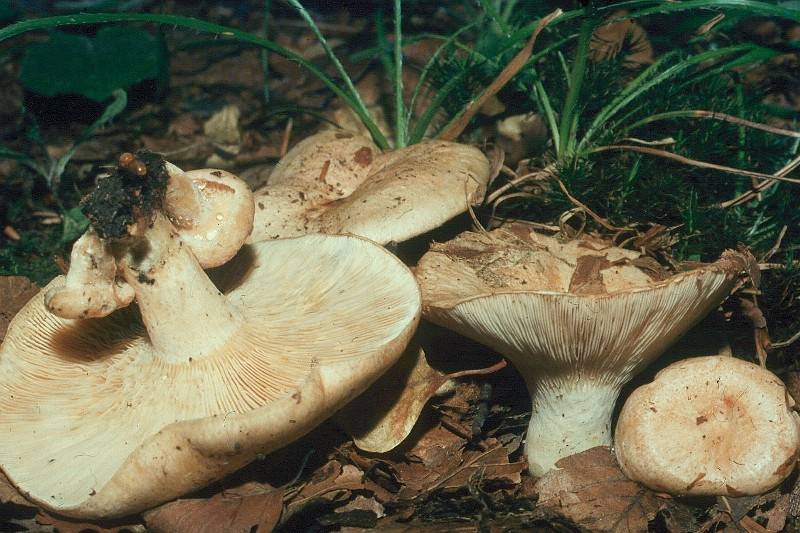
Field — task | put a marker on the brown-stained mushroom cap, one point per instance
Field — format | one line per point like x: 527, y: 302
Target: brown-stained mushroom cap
x: 577, y: 319
x: 709, y: 426
x: 212, y: 210
x: 339, y: 182
x: 111, y: 416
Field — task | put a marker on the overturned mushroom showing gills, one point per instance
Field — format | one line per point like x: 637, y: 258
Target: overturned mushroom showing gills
x: 110, y: 416
x: 337, y: 181
x: 578, y: 320
x: 709, y: 426
x: 340, y: 182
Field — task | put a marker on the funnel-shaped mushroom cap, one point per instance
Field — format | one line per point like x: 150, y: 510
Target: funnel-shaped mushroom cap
x: 105, y: 418
x: 338, y: 182
x: 709, y: 426
x: 578, y: 320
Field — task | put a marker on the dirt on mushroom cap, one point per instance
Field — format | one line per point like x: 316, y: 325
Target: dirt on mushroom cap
x: 131, y: 191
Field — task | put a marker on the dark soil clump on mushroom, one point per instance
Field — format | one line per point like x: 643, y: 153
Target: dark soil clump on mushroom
x: 131, y: 192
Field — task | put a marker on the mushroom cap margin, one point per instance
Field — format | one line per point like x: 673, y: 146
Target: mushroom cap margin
x: 609, y: 336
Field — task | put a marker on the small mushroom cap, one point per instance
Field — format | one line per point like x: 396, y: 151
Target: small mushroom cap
x: 709, y: 426
x: 338, y: 182
x: 96, y: 424
x: 579, y: 308
x: 212, y: 211
x: 91, y: 289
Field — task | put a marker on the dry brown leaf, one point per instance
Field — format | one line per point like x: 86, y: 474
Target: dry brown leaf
x: 776, y: 516
x: 385, y: 414
x: 588, y: 277
x: 771, y: 509
x: 15, y: 291
x: 437, y: 452
x: 333, y: 482
x: 249, y: 506
x: 362, y: 503
x: 590, y: 489
x: 608, y: 40
x: 444, y: 464
x: 493, y: 464
x: 69, y: 526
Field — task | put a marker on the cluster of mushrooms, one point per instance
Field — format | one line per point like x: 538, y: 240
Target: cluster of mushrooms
x: 259, y: 315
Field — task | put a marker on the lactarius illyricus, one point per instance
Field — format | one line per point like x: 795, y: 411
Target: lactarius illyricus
x: 340, y: 182
x: 577, y: 319
x: 709, y: 426
x: 110, y: 416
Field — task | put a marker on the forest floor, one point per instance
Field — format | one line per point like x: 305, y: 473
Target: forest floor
x: 463, y: 468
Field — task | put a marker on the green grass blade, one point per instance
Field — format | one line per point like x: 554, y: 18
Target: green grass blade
x: 401, y: 125
x: 354, y: 94
x: 494, y: 16
x: 549, y: 114
x: 569, y: 113
x: 647, y: 80
x: 423, y: 76
x: 264, y: 54
x: 425, y: 119
x: 651, y: 7
x: 113, y: 109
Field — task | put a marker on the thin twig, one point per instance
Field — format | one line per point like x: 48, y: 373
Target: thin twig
x: 714, y: 115
x: 659, y: 142
x: 287, y: 135
x: 777, y: 246
x: 597, y: 218
x: 509, y: 196
x: 546, y: 172
x: 761, y: 187
x: 452, y: 131
x: 787, y: 342
x: 478, y: 371
x: 694, y: 162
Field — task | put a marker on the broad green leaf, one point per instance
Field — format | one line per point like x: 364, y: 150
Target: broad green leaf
x: 8, y: 12
x: 116, y: 58
x: 75, y: 223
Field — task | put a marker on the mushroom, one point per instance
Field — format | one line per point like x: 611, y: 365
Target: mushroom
x: 91, y: 288
x: 107, y: 417
x: 709, y: 426
x: 212, y: 210
x: 578, y: 320
x: 340, y: 182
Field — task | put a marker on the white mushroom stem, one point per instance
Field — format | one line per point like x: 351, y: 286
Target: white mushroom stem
x: 567, y: 418
x: 91, y: 288
x: 186, y: 316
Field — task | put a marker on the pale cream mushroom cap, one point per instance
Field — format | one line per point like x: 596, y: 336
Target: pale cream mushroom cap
x: 709, y: 426
x: 339, y: 182
x: 106, y: 418
x: 91, y: 288
x: 578, y: 320
x: 212, y: 211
